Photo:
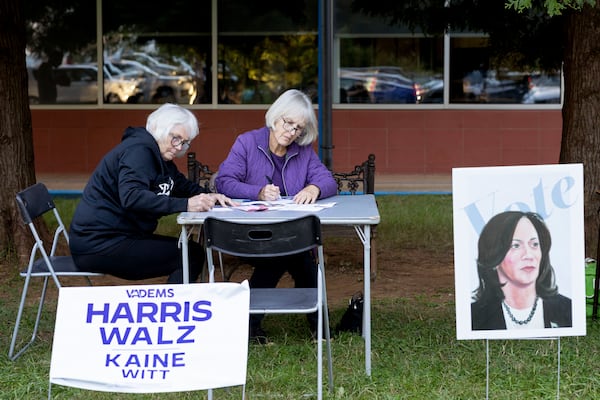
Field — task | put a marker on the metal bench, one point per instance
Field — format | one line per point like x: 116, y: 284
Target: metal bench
x: 361, y: 180
x: 200, y: 173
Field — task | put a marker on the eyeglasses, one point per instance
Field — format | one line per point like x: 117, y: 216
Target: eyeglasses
x: 294, y: 130
x: 177, y: 141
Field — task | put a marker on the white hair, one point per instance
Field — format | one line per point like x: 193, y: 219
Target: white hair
x: 163, y: 119
x: 295, y: 105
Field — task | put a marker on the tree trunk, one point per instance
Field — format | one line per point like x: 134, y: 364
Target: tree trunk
x: 581, y: 111
x: 17, y: 169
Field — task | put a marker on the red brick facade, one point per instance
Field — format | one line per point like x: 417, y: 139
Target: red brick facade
x: 404, y: 141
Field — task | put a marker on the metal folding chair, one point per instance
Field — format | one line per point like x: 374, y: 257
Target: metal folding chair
x: 34, y: 202
x: 274, y: 240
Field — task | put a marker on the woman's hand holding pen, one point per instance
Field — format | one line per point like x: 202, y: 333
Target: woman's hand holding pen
x: 269, y: 192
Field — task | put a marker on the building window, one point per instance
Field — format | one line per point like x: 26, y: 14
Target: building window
x: 155, y: 54
x: 382, y: 63
x: 476, y: 76
x: 384, y: 70
x: 165, y: 50
x: 61, y: 54
x: 261, y: 54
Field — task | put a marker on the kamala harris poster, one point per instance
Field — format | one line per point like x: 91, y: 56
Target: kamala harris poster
x: 519, y: 251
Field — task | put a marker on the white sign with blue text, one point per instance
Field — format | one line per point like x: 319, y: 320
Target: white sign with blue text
x: 151, y: 338
x: 519, y: 249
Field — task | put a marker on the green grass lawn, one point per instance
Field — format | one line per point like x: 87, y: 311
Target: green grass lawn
x: 415, y: 354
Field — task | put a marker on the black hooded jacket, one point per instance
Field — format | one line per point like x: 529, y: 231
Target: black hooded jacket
x: 129, y: 191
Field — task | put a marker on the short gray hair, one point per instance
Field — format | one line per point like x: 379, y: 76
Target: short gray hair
x: 163, y: 119
x: 295, y: 105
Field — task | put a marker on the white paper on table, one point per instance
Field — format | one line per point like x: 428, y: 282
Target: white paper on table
x: 308, y: 207
x: 221, y: 209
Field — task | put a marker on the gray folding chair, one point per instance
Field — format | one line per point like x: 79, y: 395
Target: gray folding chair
x: 274, y: 240
x: 34, y: 202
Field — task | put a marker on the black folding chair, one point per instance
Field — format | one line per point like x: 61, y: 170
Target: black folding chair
x: 34, y: 202
x: 275, y: 240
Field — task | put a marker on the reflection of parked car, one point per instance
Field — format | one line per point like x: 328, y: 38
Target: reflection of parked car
x: 543, y: 89
x: 353, y: 90
x: 159, y: 88
x: 79, y: 84
x: 431, y: 91
x: 154, y: 62
x: 493, y: 86
x: 369, y: 85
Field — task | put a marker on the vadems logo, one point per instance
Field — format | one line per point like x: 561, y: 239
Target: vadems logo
x: 163, y: 293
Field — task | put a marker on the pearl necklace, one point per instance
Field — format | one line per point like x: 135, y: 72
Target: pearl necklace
x: 525, y: 321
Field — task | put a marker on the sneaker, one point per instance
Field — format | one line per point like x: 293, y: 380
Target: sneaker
x: 258, y: 335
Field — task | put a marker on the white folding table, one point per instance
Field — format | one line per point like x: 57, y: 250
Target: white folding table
x: 358, y: 211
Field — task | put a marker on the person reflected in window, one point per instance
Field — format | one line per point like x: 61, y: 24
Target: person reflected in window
x: 134, y: 185
x: 273, y: 161
x: 517, y: 288
x: 47, y: 79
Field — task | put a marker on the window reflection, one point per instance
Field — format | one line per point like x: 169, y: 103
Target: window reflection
x: 74, y: 83
x: 255, y: 70
x: 61, y: 52
x: 167, y: 51
x: 478, y: 77
x: 543, y: 88
x: 160, y: 79
x: 264, y: 52
x: 391, y: 70
x: 153, y: 54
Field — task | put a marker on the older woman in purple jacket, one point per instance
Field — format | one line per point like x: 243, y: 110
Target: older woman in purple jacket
x: 273, y: 161
x: 278, y: 159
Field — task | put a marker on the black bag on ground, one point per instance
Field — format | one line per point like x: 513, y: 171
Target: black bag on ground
x: 353, y: 316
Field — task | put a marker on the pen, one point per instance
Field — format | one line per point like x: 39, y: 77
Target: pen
x: 270, y: 182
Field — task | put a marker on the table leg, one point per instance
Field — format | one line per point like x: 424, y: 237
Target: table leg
x: 183, y: 242
x: 364, y: 235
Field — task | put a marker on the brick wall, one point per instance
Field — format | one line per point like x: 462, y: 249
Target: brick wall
x: 404, y: 141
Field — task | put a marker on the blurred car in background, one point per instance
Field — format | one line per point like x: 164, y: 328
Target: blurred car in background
x: 495, y: 86
x: 353, y: 90
x: 431, y: 91
x: 158, y: 87
x: 78, y: 84
x: 155, y: 62
x: 383, y: 85
x: 543, y: 89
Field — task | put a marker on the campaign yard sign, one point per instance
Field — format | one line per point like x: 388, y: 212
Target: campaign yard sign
x: 151, y: 338
x: 519, y: 229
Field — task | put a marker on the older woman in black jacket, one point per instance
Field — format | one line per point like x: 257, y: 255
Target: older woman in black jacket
x: 134, y: 185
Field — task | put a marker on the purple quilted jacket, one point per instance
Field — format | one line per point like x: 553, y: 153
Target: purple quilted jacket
x: 242, y: 174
